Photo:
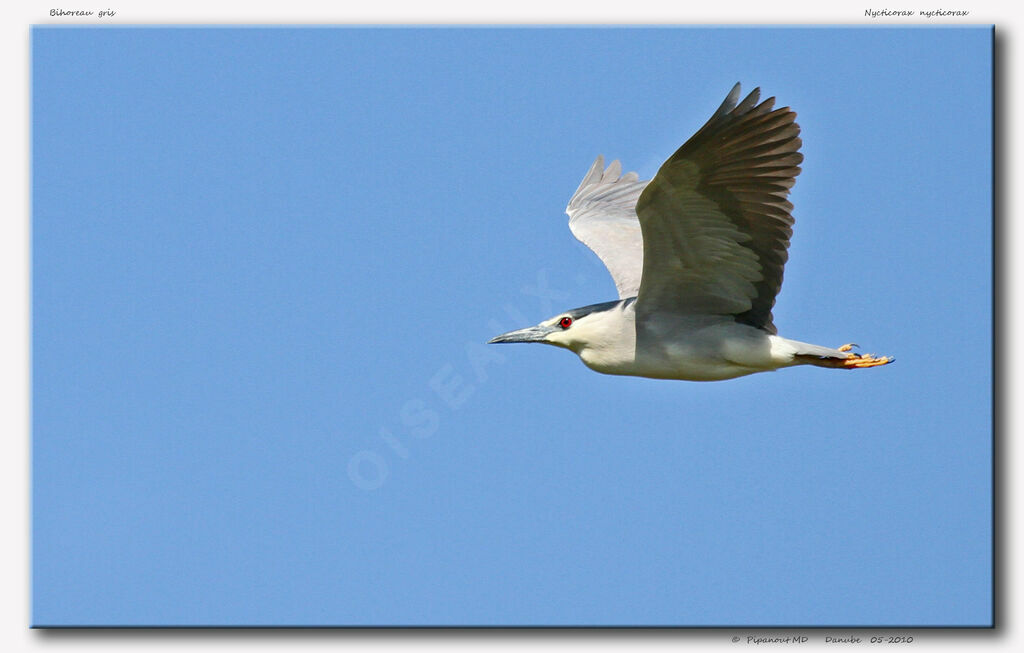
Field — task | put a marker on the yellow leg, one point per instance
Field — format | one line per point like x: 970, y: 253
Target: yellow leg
x: 864, y: 360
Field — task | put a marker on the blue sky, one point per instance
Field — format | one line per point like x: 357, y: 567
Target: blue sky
x: 265, y: 263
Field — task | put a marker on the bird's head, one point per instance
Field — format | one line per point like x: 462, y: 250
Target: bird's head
x: 575, y: 329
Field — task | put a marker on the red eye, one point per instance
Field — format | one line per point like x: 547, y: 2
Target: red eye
x: 565, y: 322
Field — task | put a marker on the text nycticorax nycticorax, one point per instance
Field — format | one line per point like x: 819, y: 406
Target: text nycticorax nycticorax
x: 696, y: 254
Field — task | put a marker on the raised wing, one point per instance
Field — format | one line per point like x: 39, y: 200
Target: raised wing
x: 716, y: 223
x: 602, y: 216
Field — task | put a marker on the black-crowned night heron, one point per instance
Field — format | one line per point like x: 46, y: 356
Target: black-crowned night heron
x: 696, y: 254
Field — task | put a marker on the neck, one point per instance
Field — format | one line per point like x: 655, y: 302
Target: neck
x: 606, y: 339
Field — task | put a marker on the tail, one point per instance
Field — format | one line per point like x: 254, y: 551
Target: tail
x: 841, y: 358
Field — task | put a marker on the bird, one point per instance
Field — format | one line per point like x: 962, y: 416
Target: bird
x: 697, y: 256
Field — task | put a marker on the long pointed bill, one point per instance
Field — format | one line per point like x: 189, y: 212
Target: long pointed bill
x: 529, y: 334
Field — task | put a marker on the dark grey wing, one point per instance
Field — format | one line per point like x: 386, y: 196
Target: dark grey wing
x: 715, y: 219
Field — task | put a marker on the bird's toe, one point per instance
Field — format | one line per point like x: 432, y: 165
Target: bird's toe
x: 866, y: 360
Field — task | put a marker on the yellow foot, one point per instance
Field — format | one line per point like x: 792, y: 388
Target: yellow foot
x: 849, y: 346
x: 864, y: 360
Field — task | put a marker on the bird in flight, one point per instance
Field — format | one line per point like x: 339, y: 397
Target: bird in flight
x: 696, y: 254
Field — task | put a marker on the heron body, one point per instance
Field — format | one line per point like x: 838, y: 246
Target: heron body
x: 697, y: 256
